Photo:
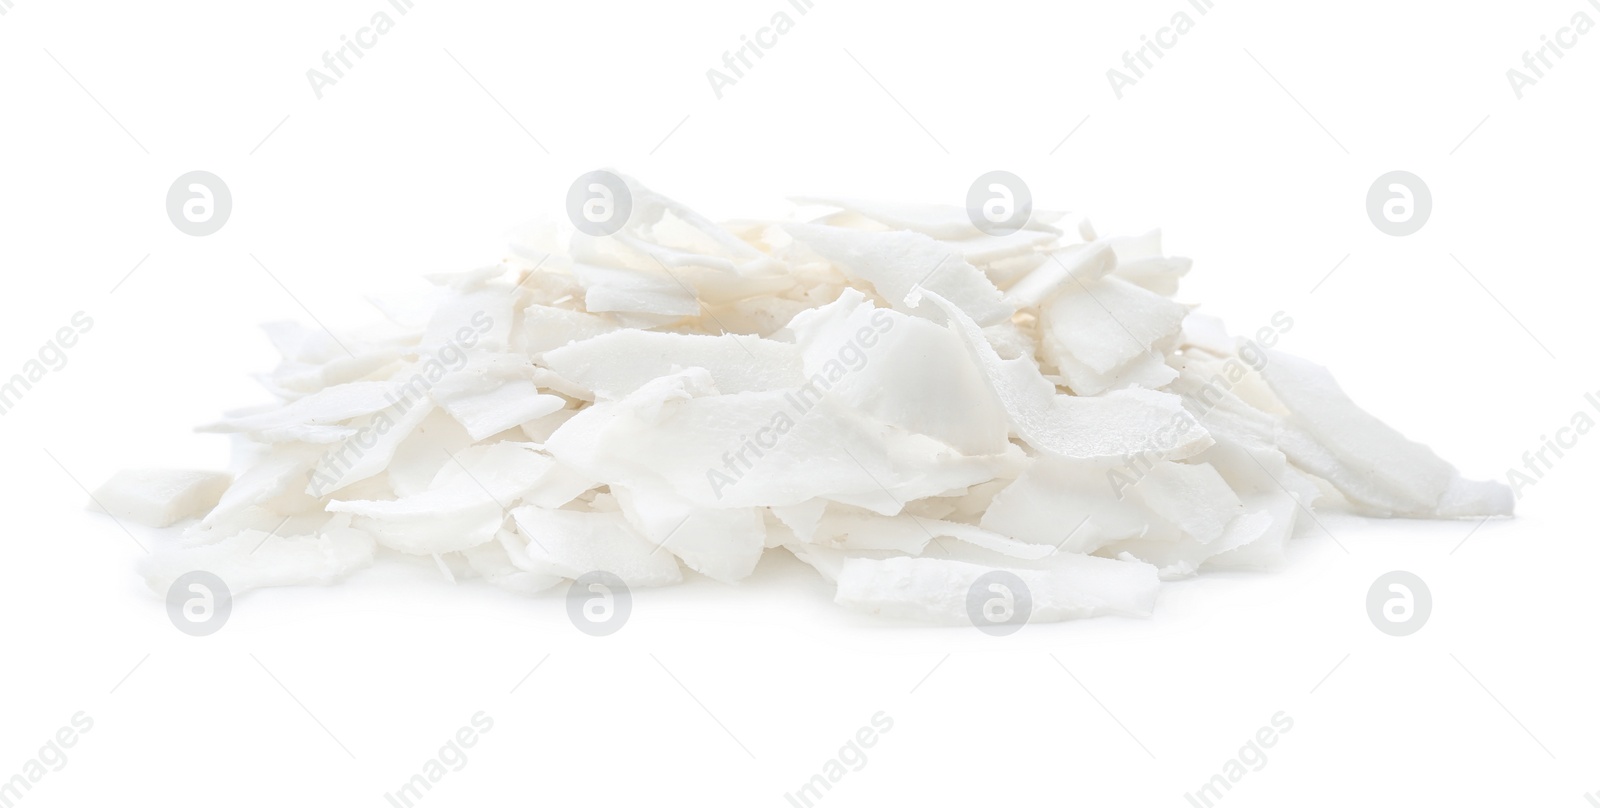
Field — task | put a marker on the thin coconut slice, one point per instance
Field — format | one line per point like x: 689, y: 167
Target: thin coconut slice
x: 938, y: 221
x: 760, y: 449
x: 1206, y: 333
x: 368, y: 451
x: 863, y: 530
x: 1071, y: 505
x: 273, y: 485
x: 1107, y: 323
x: 719, y: 543
x: 617, y: 364
x: 574, y: 543
x: 635, y: 291
x: 326, y: 407
x: 254, y: 559
x: 1148, y: 370
x: 160, y: 497
x: 1192, y: 497
x: 936, y: 589
x: 492, y: 393
x: 1115, y: 425
x: 801, y: 518
x: 1176, y: 554
x: 905, y: 371
x: 672, y: 233
x: 895, y: 263
x: 480, y: 318
x: 1070, y: 266
x: 986, y: 248
x: 543, y: 328
x: 1140, y: 260
x: 1370, y: 453
x: 492, y: 561
x: 465, y: 506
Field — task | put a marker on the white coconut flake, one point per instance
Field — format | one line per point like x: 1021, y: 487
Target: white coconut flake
x: 160, y: 497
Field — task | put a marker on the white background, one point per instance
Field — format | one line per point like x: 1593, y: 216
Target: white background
x: 721, y: 695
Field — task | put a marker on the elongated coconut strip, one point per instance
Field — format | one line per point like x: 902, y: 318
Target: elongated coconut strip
x: 254, y: 559
x: 936, y: 589
x: 325, y: 407
x: 1408, y: 478
x: 634, y: 291
x: 938, y: 221
x: 160, y: 497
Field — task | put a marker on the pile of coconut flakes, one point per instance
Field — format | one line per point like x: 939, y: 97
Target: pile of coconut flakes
x: 899, y: 400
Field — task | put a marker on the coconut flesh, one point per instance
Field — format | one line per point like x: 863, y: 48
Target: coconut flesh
x: 895, y: 398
